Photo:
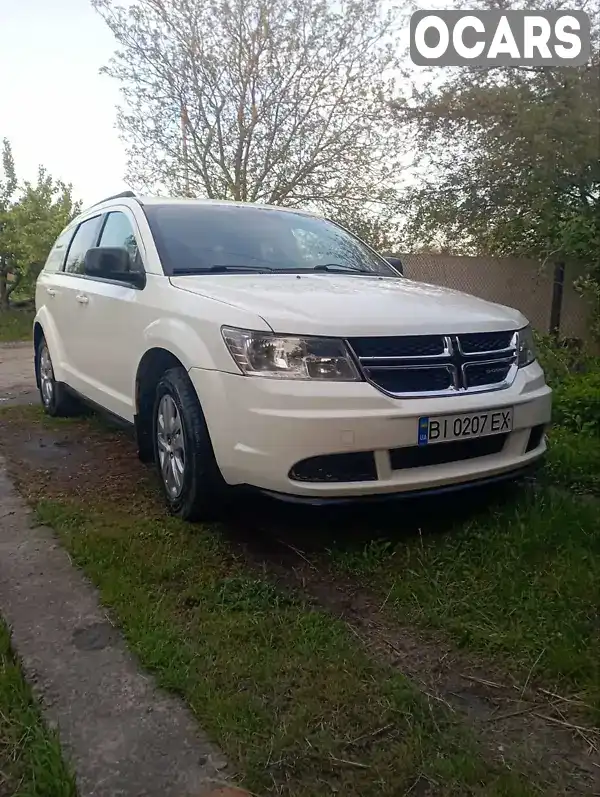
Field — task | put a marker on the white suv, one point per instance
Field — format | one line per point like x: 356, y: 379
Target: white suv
x: 259, y: 346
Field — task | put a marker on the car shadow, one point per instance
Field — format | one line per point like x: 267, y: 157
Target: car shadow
x: 268, y: 529
x: 265, y: 525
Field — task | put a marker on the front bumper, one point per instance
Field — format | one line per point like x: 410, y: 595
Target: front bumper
x: 261, y: 429
x: 448, y: 489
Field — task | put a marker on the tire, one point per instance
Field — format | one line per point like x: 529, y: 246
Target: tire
x: 55, y: 398
x: 191, y: 481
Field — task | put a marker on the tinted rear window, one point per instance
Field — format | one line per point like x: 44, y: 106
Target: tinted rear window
x: 195, y: 238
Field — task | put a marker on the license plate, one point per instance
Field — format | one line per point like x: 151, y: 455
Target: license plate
x: 442, y: 428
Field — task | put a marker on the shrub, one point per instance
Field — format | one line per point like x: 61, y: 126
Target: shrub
x: 564, y: 357
x: 576, y: 402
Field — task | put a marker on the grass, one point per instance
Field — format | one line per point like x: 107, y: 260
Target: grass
x: 519, y: 581
x: 574, y: 462
x: 30, y: 757
x: 285, y: 689
x: 279, y: 685
x: 16, y: 325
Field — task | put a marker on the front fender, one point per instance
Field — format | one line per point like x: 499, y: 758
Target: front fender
x: 182, y: 340
x: 57, y: 353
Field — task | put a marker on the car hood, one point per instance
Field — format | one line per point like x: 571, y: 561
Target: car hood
x: 347, y: 305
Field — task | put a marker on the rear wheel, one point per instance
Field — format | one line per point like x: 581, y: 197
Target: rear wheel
x: 56, y: 400
x: 191, y: 481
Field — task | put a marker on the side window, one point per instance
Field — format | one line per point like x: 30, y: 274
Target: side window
x: 84, y: 239
x: 56, y: 258
x: 117, y: 231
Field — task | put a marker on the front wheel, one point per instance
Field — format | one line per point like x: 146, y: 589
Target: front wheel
x: 191, y: 481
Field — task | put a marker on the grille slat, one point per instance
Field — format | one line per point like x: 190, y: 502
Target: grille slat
x: 392, y: 347
x: 420, y: 365
x: 411, y: 380
x: 485, y: 341
x: 487, y: 373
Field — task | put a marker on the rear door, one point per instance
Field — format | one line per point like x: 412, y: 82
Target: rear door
x: 47, y: 298
x: 67, y: 288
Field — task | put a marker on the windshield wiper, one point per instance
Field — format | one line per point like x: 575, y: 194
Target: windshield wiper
x: 219, y: 269
x: 339, y: 267
x: 222, y: 268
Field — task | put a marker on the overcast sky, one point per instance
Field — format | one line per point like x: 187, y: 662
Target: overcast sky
x: 54, y: 106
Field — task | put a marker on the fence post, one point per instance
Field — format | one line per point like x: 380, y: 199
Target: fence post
x: 558, y: 286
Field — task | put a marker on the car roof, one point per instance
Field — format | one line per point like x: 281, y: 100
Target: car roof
x: 153, y: 200
x: 127, y: 197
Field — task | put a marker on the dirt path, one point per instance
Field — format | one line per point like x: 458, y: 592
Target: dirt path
x: 17, y: 377
x: 122, y: 735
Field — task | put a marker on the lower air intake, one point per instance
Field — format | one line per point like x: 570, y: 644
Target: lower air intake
x: 352, y: 467
x: 442, y: 453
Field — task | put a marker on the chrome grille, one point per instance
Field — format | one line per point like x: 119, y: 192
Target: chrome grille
x: 434, y: 365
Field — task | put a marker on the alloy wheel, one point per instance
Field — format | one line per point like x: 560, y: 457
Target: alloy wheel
x: 46, y: 376
x: 171, y: 446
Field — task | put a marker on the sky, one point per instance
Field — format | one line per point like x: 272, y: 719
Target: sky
x: 55, y: 107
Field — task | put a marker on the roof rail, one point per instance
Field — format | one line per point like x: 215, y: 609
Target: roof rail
x: 122, y: 195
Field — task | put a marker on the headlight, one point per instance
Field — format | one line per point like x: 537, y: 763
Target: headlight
x: 527, y: 353
x: 264, y: 354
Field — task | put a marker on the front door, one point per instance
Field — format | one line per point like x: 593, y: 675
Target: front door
x: 107, y: 353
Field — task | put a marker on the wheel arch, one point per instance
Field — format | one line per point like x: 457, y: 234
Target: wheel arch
x: 44, y: 326
x: 38, y: 334
x: 151, y: 367
x: 153, y: 364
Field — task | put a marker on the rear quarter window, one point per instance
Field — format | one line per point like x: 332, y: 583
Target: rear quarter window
x: 56, y: 258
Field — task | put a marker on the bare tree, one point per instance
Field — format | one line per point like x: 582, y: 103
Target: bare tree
x: 258, y: 100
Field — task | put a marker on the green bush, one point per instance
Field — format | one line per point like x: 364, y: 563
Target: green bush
x: 564, y: 357
x: 574, y: 374
x: 576, y: 402
x: 16, y: 325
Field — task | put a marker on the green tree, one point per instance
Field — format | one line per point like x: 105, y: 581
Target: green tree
x: 510, y: 158
x: 511, y: 163
x: 31, y: 218
x: 8, y: 186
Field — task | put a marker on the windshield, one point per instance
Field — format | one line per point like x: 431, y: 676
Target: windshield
x: 192, y: 239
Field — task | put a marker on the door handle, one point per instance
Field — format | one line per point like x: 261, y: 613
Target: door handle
x: 82, y: 298
x: 50, y: 291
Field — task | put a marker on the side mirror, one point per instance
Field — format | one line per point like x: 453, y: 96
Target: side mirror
x: 112, y: 262
x: 396, y: 263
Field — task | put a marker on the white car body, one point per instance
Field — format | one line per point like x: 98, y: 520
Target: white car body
x: 100, y: 333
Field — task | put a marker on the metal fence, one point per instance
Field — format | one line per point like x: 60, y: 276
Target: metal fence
x: 544, y: 294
